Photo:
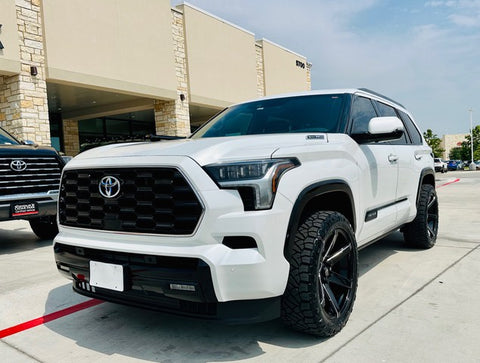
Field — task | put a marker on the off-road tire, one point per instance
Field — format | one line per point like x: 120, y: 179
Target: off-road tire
x: 44, y: 228
x: 422, y: 231
x: 323, y: 277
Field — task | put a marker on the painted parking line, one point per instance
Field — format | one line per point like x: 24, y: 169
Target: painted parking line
x: 49, y: 317
x: 448, y: 183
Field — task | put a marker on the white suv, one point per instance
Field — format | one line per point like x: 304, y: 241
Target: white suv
x: 258, y: 214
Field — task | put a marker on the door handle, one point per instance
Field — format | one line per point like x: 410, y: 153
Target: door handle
x: 392, y: 158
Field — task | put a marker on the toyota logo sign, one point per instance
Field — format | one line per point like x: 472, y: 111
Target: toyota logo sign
x: 18, y: 165
x: 109, y: 187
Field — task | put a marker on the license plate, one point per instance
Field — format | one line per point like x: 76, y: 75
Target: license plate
x: 107, y: 276
x: 24, y: 209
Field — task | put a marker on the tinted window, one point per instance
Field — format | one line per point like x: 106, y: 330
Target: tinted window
x: 319, y: 113
x: 386, y: 110
x: 6, y: 138
x: 414, y: 134
x: 362, y: 113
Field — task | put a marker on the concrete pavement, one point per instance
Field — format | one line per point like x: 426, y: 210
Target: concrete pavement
x: 411, y: 306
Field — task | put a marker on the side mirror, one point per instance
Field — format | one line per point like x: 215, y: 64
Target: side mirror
x: 29, y: 142
x: 381, y: 129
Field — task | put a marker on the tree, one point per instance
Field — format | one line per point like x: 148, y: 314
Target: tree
x: 456, y: 153
x: 466, y: 145
x: 434, y: 142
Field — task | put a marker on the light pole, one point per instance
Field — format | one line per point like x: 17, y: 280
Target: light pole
x: 472, y: 166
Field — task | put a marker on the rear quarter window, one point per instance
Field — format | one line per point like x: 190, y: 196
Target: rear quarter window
x: 413, y: 132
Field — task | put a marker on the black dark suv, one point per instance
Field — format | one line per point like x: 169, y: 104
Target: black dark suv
x: 29, y: 182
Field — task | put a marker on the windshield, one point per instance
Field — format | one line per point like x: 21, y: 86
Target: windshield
x: 6, y: 138
x: 319, y: 113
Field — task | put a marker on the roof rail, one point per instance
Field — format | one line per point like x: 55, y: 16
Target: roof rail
x: 380, y: 95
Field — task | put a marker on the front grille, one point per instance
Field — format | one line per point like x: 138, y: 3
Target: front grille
x: 151, y: 200
x: 41, y: 175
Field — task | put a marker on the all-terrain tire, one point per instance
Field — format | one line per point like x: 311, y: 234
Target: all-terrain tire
x: 323, y: 277
x: 44, y: 228
x: 422, y: 231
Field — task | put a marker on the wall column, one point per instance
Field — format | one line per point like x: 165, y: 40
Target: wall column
x: 260, y: 70
x: 309, y: 76
x: 23, y: 97
x: 70, y: 137
x: 172, y: 117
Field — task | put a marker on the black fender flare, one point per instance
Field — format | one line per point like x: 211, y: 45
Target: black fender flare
x: 427, y: 173
x: 311, y: 192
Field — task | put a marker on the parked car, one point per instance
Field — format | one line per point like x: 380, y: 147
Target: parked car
x: 29, y: 184
x: 453, y: 165
x: 440, y: 165
x: 258, y: 215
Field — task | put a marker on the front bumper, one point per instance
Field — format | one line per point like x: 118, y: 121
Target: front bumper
x: 149, y: 280
x: 47, y: 205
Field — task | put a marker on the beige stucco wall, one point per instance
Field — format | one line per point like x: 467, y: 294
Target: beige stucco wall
x: 119, y: 45
x: 451, y: 141
x: 281, y: 72
x: 10, y: 55
x: 221, y: 60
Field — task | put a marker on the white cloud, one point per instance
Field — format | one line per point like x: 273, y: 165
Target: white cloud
x: 465, y: 13
x: 465, y: 20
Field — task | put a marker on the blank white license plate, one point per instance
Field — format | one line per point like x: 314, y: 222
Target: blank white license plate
x: 107, y: 275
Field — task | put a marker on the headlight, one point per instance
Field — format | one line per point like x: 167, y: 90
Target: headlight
x: 256, y: 180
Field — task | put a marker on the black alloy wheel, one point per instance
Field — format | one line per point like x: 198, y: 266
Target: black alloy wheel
x: 322, y: 284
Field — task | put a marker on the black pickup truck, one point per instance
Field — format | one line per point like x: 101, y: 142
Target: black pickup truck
x: 29, y: 184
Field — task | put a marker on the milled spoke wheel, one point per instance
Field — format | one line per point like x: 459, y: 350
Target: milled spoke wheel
x: 322, y: 283
x: 422, y: 231
x: 335, y: 273
x: 432, y: 218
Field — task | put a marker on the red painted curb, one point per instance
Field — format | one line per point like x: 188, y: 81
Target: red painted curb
x: 454, y: 181
x: 47, y: 318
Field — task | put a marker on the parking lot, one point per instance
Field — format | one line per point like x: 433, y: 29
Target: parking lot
x: 411, y: 306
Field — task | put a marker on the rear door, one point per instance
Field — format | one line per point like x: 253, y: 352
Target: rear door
x: 412, y: 156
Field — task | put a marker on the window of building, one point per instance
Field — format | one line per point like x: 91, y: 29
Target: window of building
x: 107, y: 130
x: 56, y: 131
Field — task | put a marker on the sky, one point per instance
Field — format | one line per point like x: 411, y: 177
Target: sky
x: 424, y: 54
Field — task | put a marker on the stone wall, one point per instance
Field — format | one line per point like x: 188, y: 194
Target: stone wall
x: 23, y: 97
x: 173, y: 117
x: 309, y: 76
x: 70, y: 137
x: 260, y: 70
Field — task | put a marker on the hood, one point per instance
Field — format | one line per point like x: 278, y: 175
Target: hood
x: 26, y: 150
x: 206, y: 150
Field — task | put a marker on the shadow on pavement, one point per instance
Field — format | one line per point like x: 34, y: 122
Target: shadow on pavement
x: 18, y: 237
x: 115, y: 329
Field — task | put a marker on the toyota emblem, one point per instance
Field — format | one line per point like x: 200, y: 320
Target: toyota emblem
x: 109, y: 187
x: 18, y: 165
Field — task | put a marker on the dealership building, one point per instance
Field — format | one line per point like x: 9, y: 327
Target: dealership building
x: 80, y: 72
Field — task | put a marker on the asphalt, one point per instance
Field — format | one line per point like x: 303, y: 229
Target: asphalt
x: 411, y: 306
